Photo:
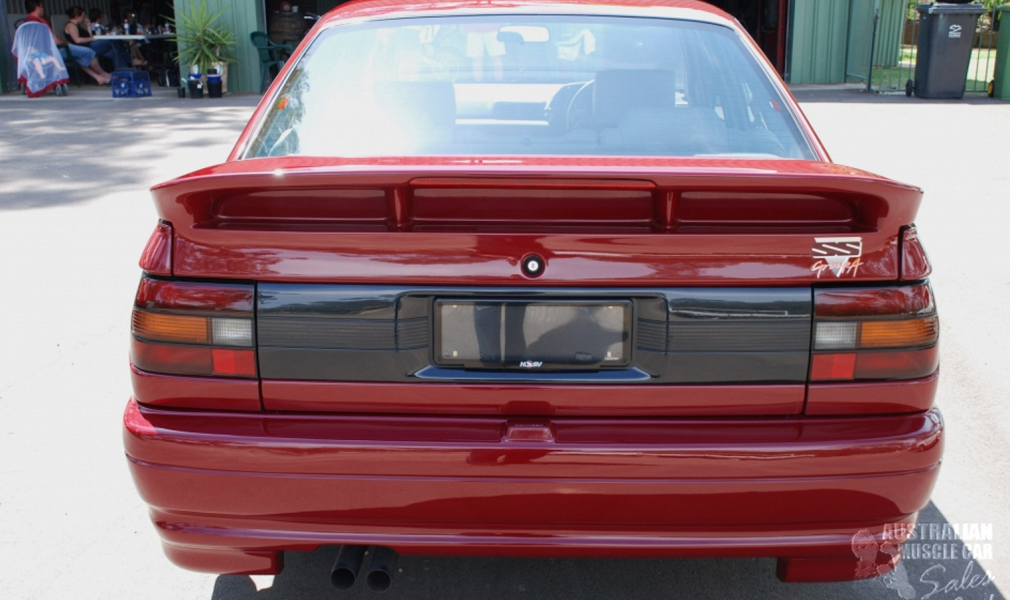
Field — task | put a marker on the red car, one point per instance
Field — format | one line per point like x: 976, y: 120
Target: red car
x: 533, y: 278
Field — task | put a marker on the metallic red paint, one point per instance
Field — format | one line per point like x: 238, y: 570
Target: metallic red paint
x: 788, y: 487
x: 525, y: 400
x: 467, y: 469
x: 733, y: 255
x: 915, y: 395
x: 210, y: 393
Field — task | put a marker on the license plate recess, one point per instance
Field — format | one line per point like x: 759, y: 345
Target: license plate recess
x: 534, y: 334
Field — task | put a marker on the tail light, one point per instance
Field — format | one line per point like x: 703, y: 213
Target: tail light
x: 914, y: 261
x: 874, y: 334
x: 157, y: 256
x: 194, y: 329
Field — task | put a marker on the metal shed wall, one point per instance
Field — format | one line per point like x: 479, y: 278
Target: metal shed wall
x: 819, y: 41
x: 889, y: 31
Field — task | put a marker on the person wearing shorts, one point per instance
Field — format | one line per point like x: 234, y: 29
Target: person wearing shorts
x: 480, y: 40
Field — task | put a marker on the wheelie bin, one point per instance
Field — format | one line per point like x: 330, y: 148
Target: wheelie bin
x: 1001, y: 78
x: 946, y: 38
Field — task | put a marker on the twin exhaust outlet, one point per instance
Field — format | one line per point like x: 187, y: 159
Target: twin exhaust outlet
x: 379, y: 576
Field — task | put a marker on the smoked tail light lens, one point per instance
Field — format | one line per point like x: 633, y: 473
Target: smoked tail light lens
x: 182, y: 328
x: 874, y: 334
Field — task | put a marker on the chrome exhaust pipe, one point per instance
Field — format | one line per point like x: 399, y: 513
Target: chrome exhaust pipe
x: 345, y: 571
x: 381, y: 569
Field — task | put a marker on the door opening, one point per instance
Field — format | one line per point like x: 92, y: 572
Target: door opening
x: 765, y: 20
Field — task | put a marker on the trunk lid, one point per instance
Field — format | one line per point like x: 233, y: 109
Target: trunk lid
x: 661, y: 222
x: 714, y: 260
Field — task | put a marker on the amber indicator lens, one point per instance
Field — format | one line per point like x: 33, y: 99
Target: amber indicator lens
x: 171, y: 328
x: 895, y: 333
x: 898, y: 334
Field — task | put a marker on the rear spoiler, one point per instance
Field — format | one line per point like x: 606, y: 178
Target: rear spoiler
x: 678, y: 221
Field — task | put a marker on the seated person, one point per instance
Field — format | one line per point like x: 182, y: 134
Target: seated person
x: 128, y: 51
x: 78, y: 31
x: 96, y: 16
x: 85, y: 57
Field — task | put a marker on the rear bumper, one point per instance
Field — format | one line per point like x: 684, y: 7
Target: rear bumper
x: 229, y: 491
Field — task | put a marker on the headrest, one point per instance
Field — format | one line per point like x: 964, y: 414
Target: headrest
x: 616, y: 92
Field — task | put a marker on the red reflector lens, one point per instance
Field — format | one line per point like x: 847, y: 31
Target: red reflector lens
x: 234, y: 362
x: 833, y: 366
x: 157, y: 256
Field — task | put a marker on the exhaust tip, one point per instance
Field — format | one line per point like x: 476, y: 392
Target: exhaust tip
x: 343, y: 578
x: 379, y: 581
x: 380, y: 570
x: 345, y: 571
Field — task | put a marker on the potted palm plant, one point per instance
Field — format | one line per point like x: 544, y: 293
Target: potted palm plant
x: 205, y: 44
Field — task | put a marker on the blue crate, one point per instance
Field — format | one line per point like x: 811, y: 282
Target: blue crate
x: 131, y: 84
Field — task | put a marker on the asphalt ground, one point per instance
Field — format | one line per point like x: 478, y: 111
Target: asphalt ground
x: 75, y: 213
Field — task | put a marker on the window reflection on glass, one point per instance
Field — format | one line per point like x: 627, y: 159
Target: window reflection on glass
x: 528, y: 86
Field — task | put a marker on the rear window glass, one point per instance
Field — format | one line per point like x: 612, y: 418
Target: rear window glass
x: 522, y: 85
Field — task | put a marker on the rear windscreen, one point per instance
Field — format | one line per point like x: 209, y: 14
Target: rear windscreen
x: 525, y: 85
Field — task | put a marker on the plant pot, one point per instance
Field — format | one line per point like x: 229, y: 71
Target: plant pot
x: 222, y: 70
x: 213, y: 87
x: 195, y: 88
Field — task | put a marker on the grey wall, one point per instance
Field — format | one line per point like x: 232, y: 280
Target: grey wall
x: 7, y: 71
x: 17, y: 7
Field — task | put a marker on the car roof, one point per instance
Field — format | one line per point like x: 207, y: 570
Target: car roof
x: 683, y: 9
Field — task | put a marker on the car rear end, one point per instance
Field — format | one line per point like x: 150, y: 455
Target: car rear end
x: 711, y: 354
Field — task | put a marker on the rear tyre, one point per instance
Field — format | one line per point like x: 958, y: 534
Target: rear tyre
x: 991, y: 88
x: 909, y: 88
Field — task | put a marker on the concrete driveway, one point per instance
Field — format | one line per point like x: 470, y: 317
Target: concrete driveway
x: 75, y: 213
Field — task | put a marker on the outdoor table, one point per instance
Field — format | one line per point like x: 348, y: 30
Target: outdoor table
x: 137, y: 37
x: 141, y: 37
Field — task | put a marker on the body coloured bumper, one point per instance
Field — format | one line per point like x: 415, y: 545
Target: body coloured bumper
x: 229, y: 492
